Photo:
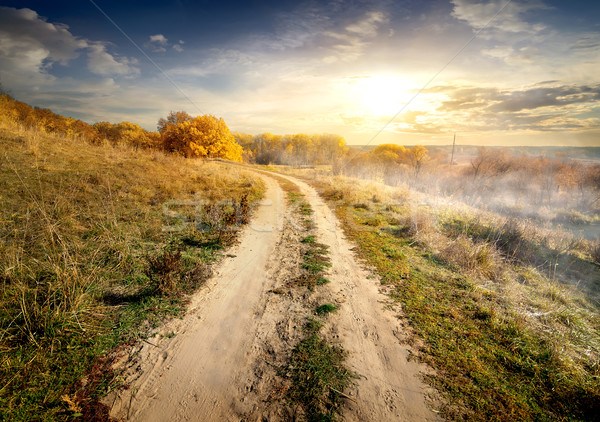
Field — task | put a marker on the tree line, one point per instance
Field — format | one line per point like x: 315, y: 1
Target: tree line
x: 183, y: 134
x: 298, y: 150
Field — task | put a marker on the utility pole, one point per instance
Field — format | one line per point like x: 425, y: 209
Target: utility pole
x: 453, y: 145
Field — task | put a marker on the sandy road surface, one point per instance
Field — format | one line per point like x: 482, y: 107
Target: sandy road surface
x: 220, y: 364
x: 389, y: 388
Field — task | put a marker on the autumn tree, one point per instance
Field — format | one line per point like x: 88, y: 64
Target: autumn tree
x: 246, y: 141
x: 299, y: 149
x: 390, y: 162
x: 360, y: 164
x: 490, y: 163
x: 170, y: 131
x: 268, y: 148
x: 591, y: 180
x: 201, y: 136
x: 173, y: 119
x: 107, y: 131
x: 330, y: 149
x: 418, y: 156
x: 126, y: 133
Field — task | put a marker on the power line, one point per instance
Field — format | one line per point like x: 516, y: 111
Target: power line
x: 146, y: 56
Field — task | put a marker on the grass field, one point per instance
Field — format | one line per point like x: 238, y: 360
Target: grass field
x: 507, y: 314
x: 98, y: 245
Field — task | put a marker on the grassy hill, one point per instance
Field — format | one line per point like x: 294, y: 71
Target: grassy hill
x: 97, y: 244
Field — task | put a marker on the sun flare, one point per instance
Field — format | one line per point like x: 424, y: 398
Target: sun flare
x: 381, y: 95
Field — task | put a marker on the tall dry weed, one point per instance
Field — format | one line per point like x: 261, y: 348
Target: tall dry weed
x: 595, y: 252
x: 480, y: 258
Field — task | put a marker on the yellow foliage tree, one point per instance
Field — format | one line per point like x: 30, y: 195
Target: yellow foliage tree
x: 127, y: 133
x: 201, y: 136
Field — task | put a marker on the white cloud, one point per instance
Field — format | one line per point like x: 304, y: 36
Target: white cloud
x: 479, y: 13
x: 158, y: 43
x: 367, y: 26
x: 101, y: 62
x: 351, y: 43
x: 159, y: 39
x: 30, y: 46
x: 27, y: 28
x: 216, y: 61
x: 179, y: 46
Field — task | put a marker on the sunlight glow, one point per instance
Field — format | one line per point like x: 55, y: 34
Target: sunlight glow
x: 381, y: 95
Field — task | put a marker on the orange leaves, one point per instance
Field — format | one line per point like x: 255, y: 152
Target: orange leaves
x: 126, y: 133
x: 18, y: 113
x: 201, y: 136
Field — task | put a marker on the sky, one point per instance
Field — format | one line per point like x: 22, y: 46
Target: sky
x: 410, y: 72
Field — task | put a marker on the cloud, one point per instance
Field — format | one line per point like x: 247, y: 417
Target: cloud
x: 538, y: 97
x: 296, y: 29
x: 368, y: 25
x: 102, y: 63
x: 587, y: 42
x: 30, y: 47
x: 178, y: 47
x: 335, y: 30
x: 215, y: 61
x: 159, y: 39
x: 158, y: 43
x: 27, y: 29
x: 479, y: 13
x: 351, y: 43
x: 545, y: 106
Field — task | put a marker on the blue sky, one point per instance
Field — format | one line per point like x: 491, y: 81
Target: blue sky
x: 346, y: 67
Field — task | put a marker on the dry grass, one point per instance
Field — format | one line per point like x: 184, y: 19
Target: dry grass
x: 479, y: 258
x: 595, y: 252
x: 91, y: 245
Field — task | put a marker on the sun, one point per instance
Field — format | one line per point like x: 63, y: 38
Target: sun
x: 381, y: 95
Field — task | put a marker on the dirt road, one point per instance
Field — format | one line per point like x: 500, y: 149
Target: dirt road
x: 220, y: 365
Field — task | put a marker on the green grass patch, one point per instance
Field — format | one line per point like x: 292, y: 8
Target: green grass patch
x: 294, y: 197
x: 318, y: 375
x: 315, y: 368
x: 325, y: 309
x: 308, y: 239
x: 305, y: 208
x: 322, y: 280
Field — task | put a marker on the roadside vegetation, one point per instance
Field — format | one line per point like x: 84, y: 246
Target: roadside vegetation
x: 98, y: 244
x: 315, y: 373
x: 507, y: 313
